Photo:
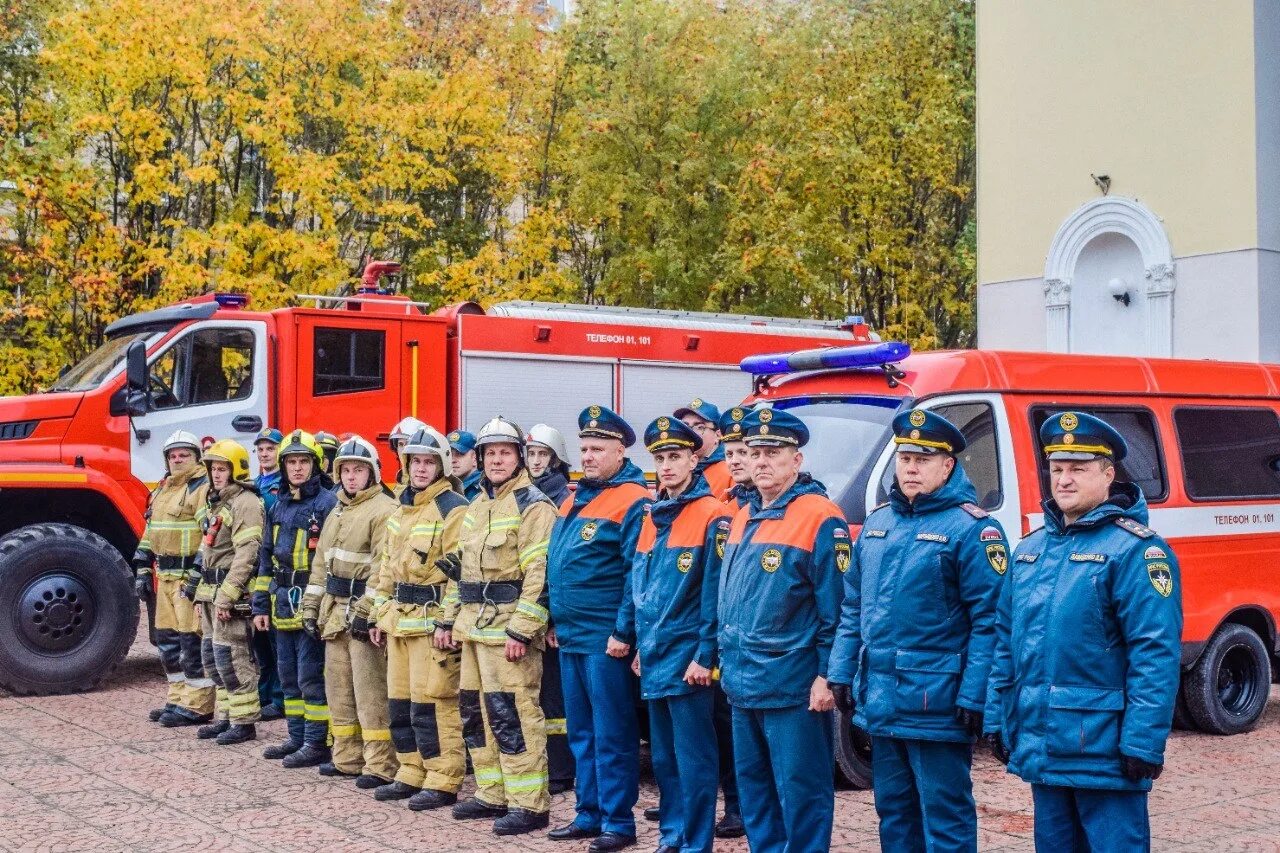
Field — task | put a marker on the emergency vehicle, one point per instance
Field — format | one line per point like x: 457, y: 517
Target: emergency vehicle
x: 77, y: 463
x: 1204, y: 446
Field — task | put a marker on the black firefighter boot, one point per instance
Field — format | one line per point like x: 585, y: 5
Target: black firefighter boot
x: 238, y: 733
x: 309, y: 756
x: 213, y: 729
x: 520, y: 821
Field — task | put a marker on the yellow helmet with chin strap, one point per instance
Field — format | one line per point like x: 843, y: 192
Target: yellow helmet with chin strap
x: 231, y: 452
x: 300, y: 442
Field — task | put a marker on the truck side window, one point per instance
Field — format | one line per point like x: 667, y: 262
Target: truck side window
x: 980, y: 458
x: 210, y: 365
x: 1143, y: 464
x: 347, y: 360
x: 1229, y: 452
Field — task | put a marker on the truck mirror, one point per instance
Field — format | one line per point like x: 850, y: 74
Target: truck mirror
x: 133, y: 398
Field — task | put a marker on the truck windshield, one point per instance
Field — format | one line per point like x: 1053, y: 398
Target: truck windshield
x: 94, y: 367
x: 846, y: 436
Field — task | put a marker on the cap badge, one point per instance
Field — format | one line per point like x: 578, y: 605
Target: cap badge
x: 917, y: 419
x: 1068, y: 421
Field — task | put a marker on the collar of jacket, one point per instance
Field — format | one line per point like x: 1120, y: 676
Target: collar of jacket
x: 588, y: 488
x: 519, y: 480
x: 804, y: 485
x: 271, y: 479
x: 551, y: 482
x: 307, y: 490
x: 420, y: 497
x: 232, y: 489
x: 185, y: 476
x: 744, y: 492
x: 472, y: 479
x: 360, y: 496
x: 1125, y: 500
x: 666, y: 509
x: 958, y: 489
x: 716, y: 456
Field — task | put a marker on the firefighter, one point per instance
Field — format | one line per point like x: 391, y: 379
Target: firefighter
x: 588, y: 566
x: 166, y: 553
x: 407, y: 594
x: 704, y: 419
x: 779, y: 605
x: 264, y: 642
x: 917, y: 629
x: 500, y: 618
x: 329, y: 447
x: 674, y: 583
x: 219, y: 585
x: 1087, y: 649
x: 355, y: 672
x: 548, y: 457
x: 284, y: 568
x: 399, y: 435
x: 466, y: 467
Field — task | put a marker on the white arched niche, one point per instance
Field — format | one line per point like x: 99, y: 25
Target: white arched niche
x: 1110, y: 244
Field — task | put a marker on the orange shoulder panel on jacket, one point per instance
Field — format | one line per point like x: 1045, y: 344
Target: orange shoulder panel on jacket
x: 648, y: 535
x: 739, y: 523
x: 798, y: 527
x: 718, y: 479
x: 566, y: 504
x: 612, y: 504
x: 690, y: 527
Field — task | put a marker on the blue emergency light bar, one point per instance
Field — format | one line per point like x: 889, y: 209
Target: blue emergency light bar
x: 231, y: 300
x: 860, y: 355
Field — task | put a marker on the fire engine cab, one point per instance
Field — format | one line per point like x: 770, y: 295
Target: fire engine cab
x: 77, y: 463
x: 1204, y: 446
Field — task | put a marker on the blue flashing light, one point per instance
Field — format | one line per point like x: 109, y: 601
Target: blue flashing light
x: 231, y: 300
x: 826, y: 358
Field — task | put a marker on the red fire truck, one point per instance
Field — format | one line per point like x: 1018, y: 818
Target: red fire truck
x: 77, y: 462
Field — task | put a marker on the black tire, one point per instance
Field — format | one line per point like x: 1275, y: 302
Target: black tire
x: 1227, y: 689
x: 68, y: 612
x: 853, y: 751
x: 1181, y: 713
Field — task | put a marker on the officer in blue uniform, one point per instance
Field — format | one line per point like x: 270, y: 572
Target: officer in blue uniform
x: 462, y: 446
x: 743, y: 491
x: 270, y: 693
x: 1087, y: 649
x: 588, y: 566
x: 674, y: 583
x: 916, y: 635
x: 779, y: 606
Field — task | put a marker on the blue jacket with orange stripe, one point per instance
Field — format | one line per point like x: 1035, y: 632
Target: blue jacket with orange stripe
x: 780, y: 596
x: 716, y: 473
x: 590, y: 557
x: 675, y: 580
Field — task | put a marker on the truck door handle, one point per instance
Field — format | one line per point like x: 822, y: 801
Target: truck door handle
x: 247, y: 423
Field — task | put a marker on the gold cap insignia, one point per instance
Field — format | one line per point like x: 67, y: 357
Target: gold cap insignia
x: 1068, y: 421
x: 917, y: 418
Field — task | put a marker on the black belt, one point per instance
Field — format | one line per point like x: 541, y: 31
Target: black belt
x: 214, y: 576
x: 344, y: 587
x: 418, y: 593
x: 175, y: 564
x: 494, y: 592
x: 284, y: 580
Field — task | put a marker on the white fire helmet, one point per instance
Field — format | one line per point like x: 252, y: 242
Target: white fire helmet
x: 549, y: 437
x: 501, y: 431
x: 426, y: 441
x: 356, y: 449
x: 404, y: 429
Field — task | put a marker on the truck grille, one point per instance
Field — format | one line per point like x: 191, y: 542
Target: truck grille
x: 17, y: 429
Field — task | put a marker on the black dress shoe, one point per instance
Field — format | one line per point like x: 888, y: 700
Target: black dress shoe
x: 429, y: 798
x: 395, y: 791
x: 559, y: 786
x: 272, y: 712
x: 309, y: 756
x: 155, y: 714
x: 239, y: 733
x: 280, y: 750
x: 331, y: 769
x: 730, y: 826
x: 611, y: 841
x: 651, y: 813
x: 477, y: 809
x: 367, y: 781
x: 520, y: 821
x: 572, y: 832
x: 180, y: 717
x: 213, y: 729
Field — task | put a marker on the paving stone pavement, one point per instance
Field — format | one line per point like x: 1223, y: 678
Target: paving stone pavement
x: 91, y: 773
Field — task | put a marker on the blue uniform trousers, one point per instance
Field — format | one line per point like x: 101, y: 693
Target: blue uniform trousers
x: 300, y: 658
x: 924, y: 795
x: 264, y: 652
x: 724, y: 743
x: 680, y: 730
x: 784, y: 763
x: 604, y: 735
x: 1083, y: 820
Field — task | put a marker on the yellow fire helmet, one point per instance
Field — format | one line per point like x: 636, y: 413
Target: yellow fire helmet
x: 233, y: 453
x: 300, y: 442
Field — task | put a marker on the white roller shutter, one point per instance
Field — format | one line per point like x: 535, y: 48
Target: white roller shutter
x: 650, y: 390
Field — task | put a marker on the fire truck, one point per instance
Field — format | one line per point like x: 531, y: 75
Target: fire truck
x: 77, y: 463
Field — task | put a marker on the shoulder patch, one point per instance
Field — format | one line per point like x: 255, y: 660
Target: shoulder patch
x: 990, y: 534
x: 1139, y: 530
x: 1155, y: 552
x: 974, y: 510
x: 449, y: 500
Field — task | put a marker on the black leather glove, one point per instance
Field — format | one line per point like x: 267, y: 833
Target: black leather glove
x: 1135, y: 769
x: 843, y: 694
x: 995, y: 741
x: 360, y: 629
x: 142, y: 587
x: 311, y: 626
x: 971, y: 720
x: 451, y: 565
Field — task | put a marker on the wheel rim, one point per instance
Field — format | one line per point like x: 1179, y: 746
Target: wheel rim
x: 1238, y: 681
x: 55, y: 612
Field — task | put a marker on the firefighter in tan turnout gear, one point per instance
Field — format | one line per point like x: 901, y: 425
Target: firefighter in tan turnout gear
x: 219, y: 585
x: 407, y: 593
x: 500, y: 619
x: 355, y: 671
x: 164, y: 556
